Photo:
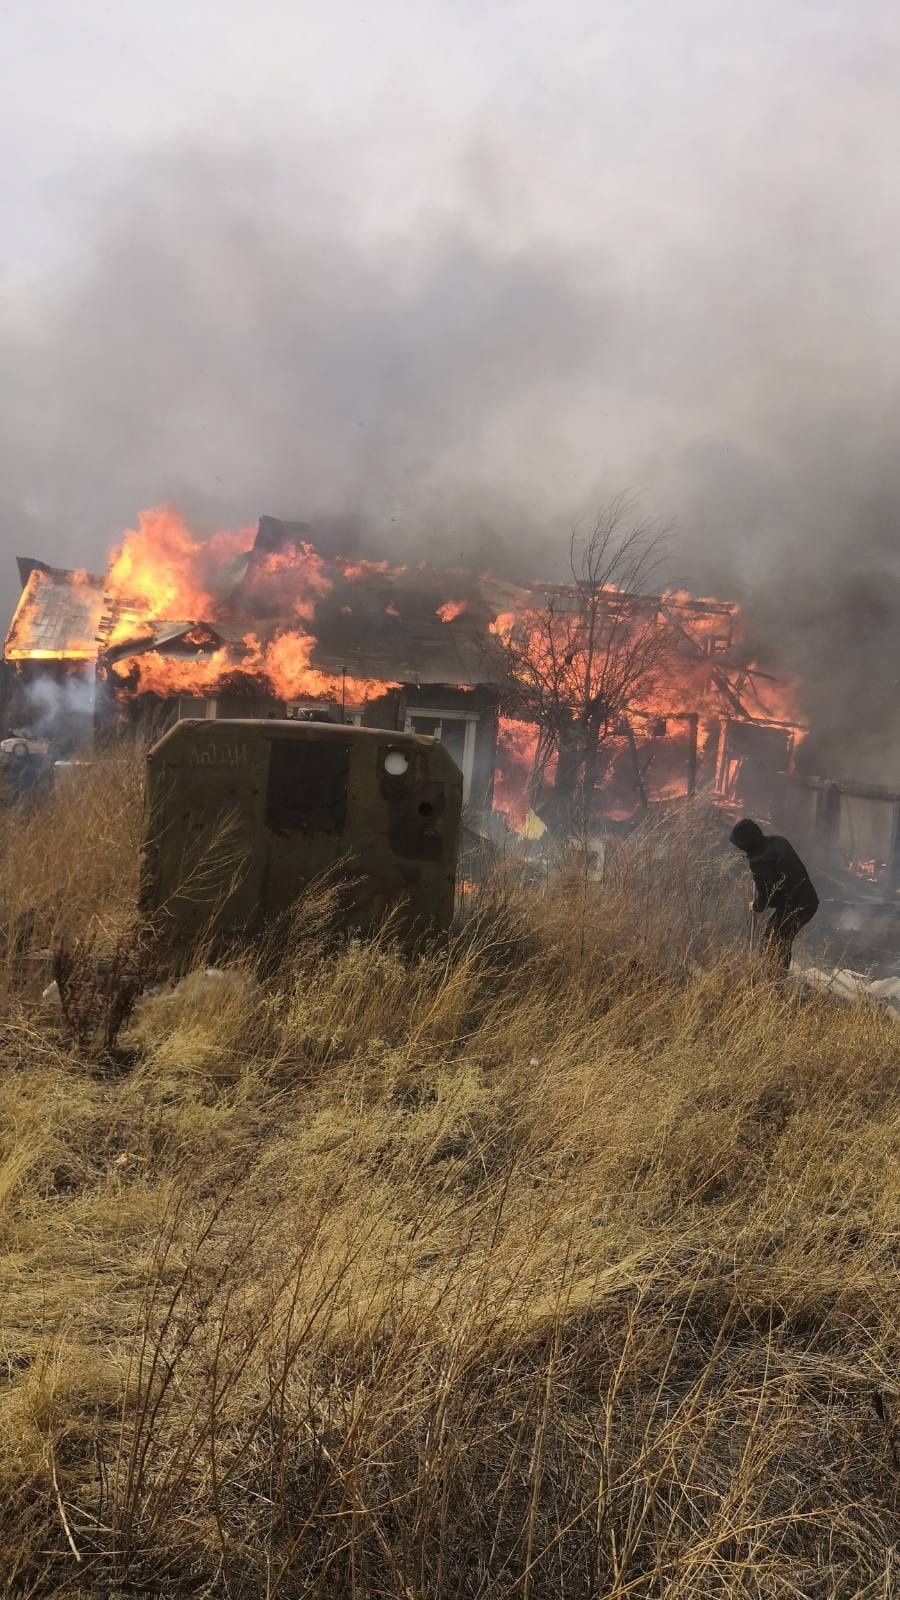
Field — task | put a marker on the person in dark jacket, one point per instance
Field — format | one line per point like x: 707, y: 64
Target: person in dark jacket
x: 783, y: 886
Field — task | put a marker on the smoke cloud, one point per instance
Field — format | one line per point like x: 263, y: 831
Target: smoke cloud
x: 51, y: 704
x: 233, y: 360
x: 700, y: 306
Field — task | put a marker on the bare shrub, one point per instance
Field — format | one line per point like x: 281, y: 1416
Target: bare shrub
x: 100, y: 983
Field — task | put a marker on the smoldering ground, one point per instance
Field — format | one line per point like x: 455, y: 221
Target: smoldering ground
x: 465, y: 389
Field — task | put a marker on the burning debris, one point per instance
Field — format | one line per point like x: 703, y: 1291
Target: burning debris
x: 590, y: 689
x: 451, y: 609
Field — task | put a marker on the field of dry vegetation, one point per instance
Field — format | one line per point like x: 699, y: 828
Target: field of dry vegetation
x: 561, y: 1262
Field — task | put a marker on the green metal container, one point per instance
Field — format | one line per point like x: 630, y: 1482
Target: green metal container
x: 241, y: 815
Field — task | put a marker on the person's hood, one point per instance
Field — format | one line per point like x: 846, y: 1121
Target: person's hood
x: 748, y: 836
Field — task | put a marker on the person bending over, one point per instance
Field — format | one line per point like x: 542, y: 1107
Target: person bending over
x: 783, y: 886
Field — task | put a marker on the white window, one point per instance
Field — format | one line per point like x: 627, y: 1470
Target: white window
x: 456, y: 730
x: 202, y: 710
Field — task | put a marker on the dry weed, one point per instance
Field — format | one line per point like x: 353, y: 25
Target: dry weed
x: 558, y: 1261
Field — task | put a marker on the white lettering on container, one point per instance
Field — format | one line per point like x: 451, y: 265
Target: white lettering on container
x: 219, y: 755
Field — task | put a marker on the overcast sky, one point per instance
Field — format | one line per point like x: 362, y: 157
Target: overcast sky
x: 461, y: 270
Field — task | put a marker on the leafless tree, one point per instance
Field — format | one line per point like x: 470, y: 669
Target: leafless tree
x: 587, y: 651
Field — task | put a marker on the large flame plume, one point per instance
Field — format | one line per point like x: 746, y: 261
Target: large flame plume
x: 162, y: 572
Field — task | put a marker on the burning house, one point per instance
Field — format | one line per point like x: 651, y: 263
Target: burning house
x: 509, y: 677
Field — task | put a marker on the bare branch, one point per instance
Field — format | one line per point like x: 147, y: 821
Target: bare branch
x: 578, y: 659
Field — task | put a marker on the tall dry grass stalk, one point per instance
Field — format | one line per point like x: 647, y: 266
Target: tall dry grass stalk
x: 560, y: 1260
x: 70, y: 864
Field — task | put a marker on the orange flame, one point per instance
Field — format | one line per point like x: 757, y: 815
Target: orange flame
x: 283, y: 662
x: 502, y: 626
x: 517, y: 753
x: 698, y: 669
x: 355, y: 571
x: 153, y: 673
x: 163, y: 571
x: 451, y: 609
x: 293, y: 579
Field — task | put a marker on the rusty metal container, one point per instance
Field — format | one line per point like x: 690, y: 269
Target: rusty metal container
x: 241, y: 815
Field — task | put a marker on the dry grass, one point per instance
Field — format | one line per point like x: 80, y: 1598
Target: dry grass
x: 563, y: 1262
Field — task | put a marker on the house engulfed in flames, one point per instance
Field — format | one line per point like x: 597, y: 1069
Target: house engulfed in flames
x: 273, y: 624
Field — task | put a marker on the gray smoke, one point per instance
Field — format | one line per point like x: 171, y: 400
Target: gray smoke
x: 718, y: 336
x: 51, y: 704
x: 219, y: 354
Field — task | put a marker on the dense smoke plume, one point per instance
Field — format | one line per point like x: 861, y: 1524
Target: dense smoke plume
x: 233, y: 360
x: 467, y: 384
x: 51, y: 704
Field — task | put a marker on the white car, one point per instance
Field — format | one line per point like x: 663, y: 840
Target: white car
x: 21, y: 744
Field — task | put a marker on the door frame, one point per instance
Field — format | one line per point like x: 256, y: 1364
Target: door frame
x: 470, y: 718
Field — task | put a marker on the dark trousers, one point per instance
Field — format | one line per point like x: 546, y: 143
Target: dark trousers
x: 781, y: 930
